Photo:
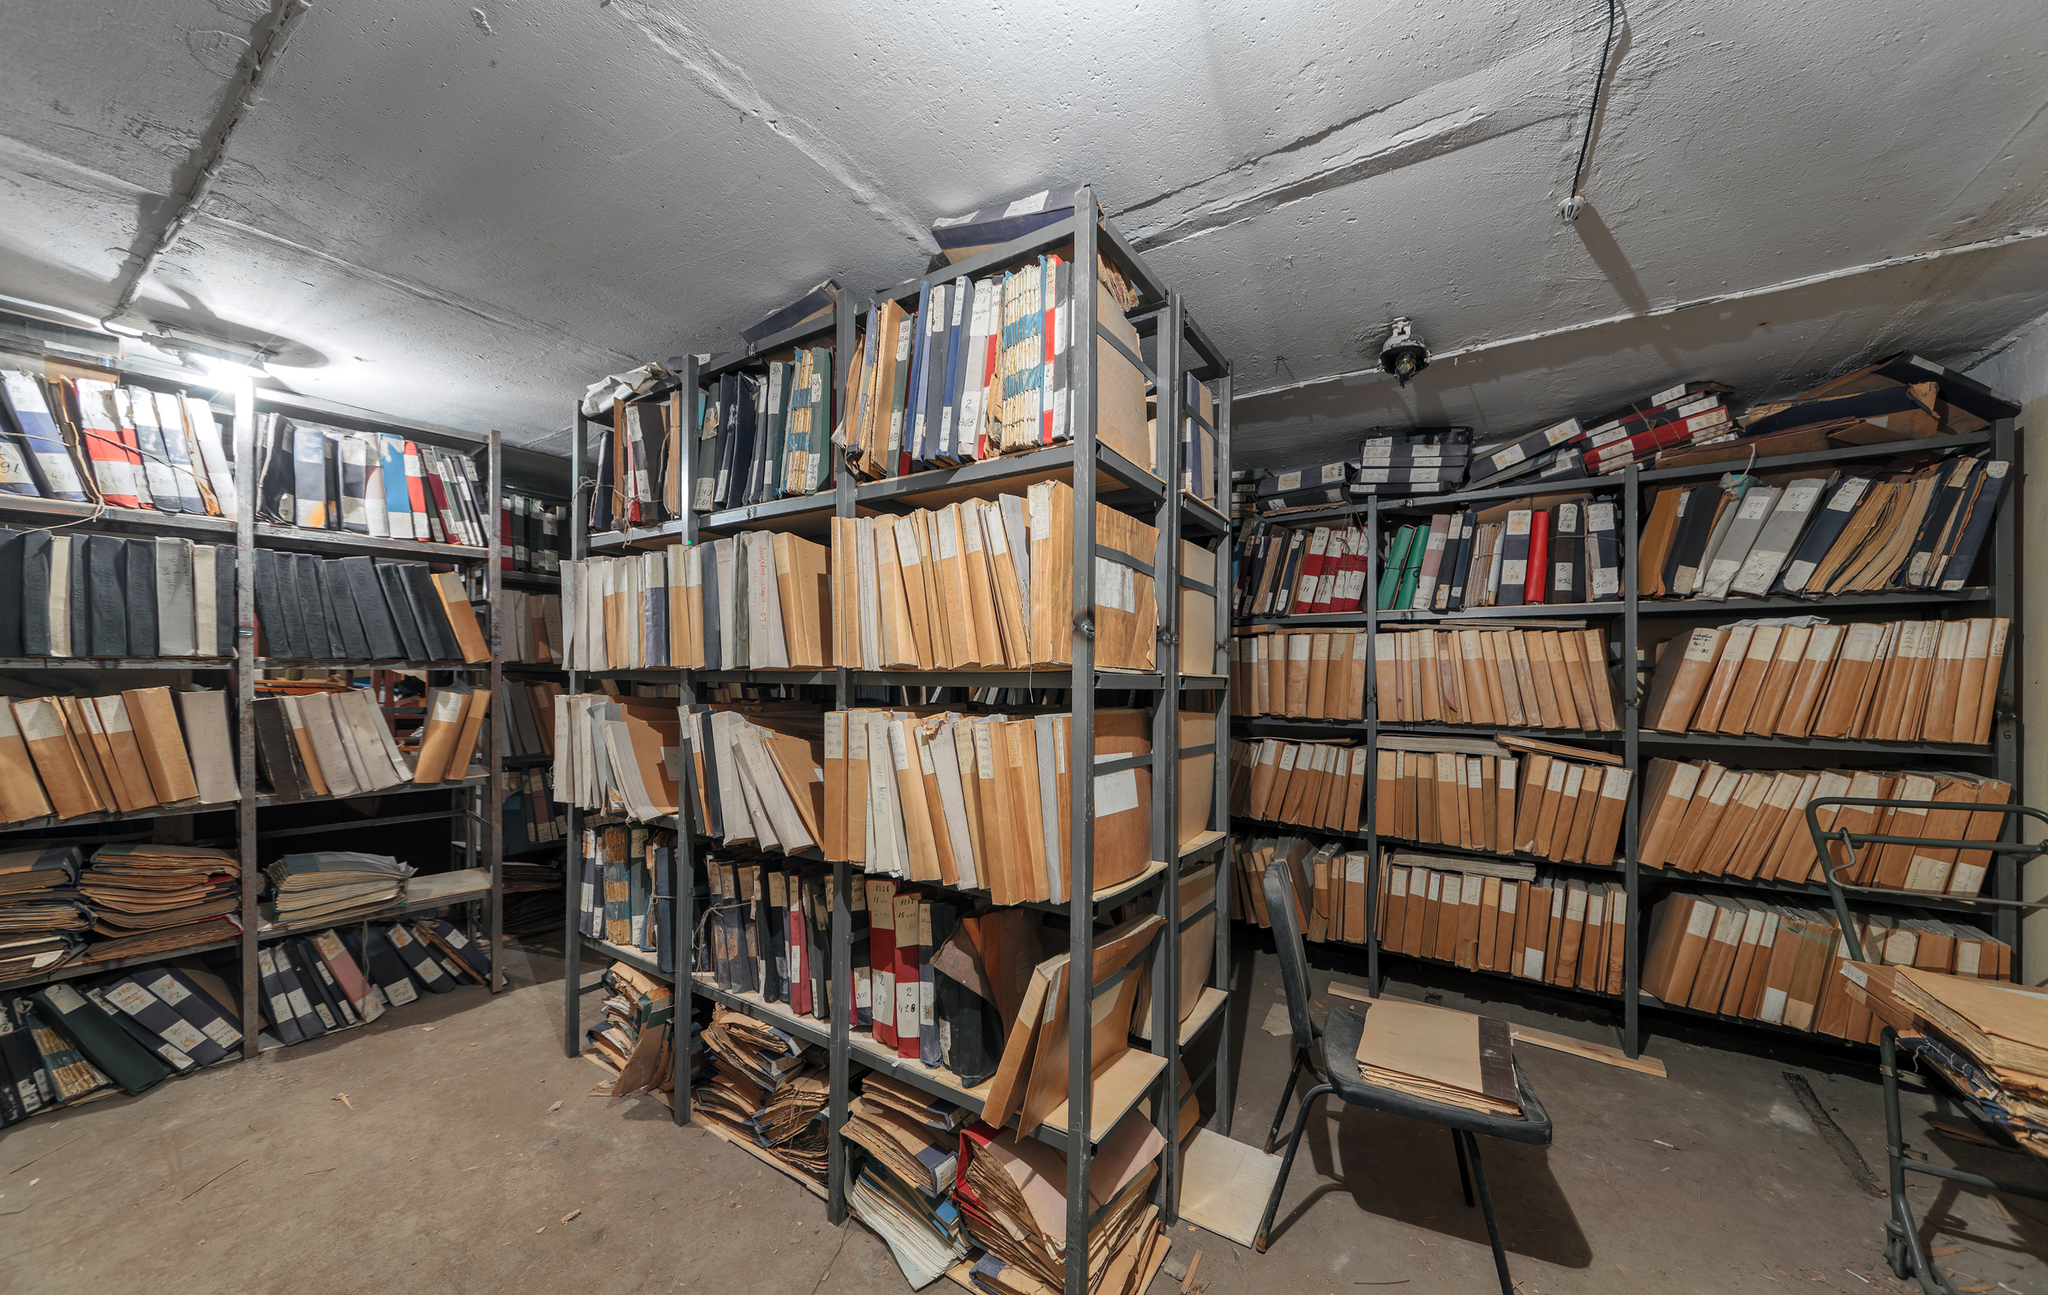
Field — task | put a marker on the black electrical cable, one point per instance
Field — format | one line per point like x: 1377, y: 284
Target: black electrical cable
x: 1593, y: 112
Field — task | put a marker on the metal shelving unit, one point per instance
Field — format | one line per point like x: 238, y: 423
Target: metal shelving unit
x: 1178, y: 349
x: 474, y: 802
x: 1633, y: 618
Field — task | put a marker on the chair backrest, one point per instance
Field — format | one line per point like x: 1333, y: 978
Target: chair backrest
x: 1293, y: 960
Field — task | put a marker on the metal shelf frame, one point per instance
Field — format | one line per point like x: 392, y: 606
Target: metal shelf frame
x: 1639, y: 622
x: 1095, y: 472
x: 474, y: 802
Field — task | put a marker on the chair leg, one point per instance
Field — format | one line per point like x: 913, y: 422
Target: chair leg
x: 1286, y: 1094
x: 1500, y: 1254
x: 1308, y: 1101
x: 1464, y: 1175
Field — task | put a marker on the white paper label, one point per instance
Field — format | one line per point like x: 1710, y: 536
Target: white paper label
x: 1028, y: 206
x: 1116, y: 792
x: 168, y: 989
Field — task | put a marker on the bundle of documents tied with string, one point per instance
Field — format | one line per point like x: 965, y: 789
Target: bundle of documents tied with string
x: 147, y: 897
x: 903, y: 1186
x: 1989, y: 1039
x: 326, y: 884
x: 634, y: 1041
x: 766, y: 1089
x: 1439, y: 1055
x: 617, y: 755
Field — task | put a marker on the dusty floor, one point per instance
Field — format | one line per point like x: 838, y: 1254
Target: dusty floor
x: 467, y: 1139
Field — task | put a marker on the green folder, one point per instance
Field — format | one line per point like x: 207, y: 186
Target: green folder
x: 1396, y: 561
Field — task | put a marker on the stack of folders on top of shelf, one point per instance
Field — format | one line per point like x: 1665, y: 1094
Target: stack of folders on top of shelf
x: 1308, y: 784
x: 151, y: 898
x: 532, y: 627
x: 624, y: 873
x: 616, y: 755
x: 982, y: 368
x: 754, y: 601
x: 1552, y: 679
x: 767, y: 1089
x: 312, y: 985
x: 91, y: 440
x: 366, y: 483
x: 42, y: 911
x: 1991, y: 1041
x: 1552, y: 453
x: 117, y: 754
x: 1691, y: 414
x: 104, y: 596
x: 1901, y: 397
x: 1781, y: 964
x: 1699, y: 816
x: 68, y: 1044
x: 989, y: 585
x: 1886, y: 681
x: 359, y: 609
x: 1421, y: 461
x: 1814, y: 536
x: 1511, y: 555
x: 635, y: 1040
x: 1554, y: 802
x: 762, y: 436
x: 1011, y: 1191
x: 328, y: 743
x: 331, y: 884
x: 529, y: 534
x: 902, y: 1186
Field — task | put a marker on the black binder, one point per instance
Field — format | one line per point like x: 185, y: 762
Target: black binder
x: 380, y: 962
x: 341, y: 611
x: 35, y: 593
x: 225, y: 615
x: 107, y: 588
x: 104, y: 1043
x: 277, y: 751
x: 419, y: 959
x: 1963, y: 557
x: 438, y: 635
x: 318, y: 999
x: 359, y: 578
x: 277, y: 997
x: 1567, y: 583
x: 398, y: 605
x: 319, y: 641
x: 81, y: 599
x: 13, y: 549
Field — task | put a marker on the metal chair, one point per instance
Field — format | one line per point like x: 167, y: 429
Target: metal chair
x: 1333, y: 1064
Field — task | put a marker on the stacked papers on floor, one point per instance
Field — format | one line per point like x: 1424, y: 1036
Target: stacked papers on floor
x: 1013, y: 1200
x: 904, y: 1187
x: 766, y: 1088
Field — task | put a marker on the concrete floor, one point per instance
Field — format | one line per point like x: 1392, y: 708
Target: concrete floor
x: 470, y: 1156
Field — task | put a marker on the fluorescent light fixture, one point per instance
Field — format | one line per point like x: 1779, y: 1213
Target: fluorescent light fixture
x: 214, y: 366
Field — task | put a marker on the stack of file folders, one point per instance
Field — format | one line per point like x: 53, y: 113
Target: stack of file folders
x: 626, y: 888
x: 636, y: 1039
x: 767, y: 1089
x: 1012, y: 1199
x: 532, y: 627
x: 1534, y: 678
x: 1702, y: 817
x: 529, y: 534
x: 1439, y: 1055
x: 1901, y: 397
x: 1553, y: 549
x: 1989, y: 1041
x: 83, y: 439
x: 336, y: 979
x: 359, y: 609
x: 327, y: 741
x: 366, y: 483
x: 903, y: 1185
x: 148, y: 898
x: 67, y: 756
x: 530, y: 815
x: 763, y: 436
x: 614, y: 755
x: 64, y: 595
x: 1819, y: 535
x: 1782, y: 963
x: 1689, y: 415
x: 1501, y: 916
x: 42, y: 911
x: 326, y: 884
x: 1887, y: 681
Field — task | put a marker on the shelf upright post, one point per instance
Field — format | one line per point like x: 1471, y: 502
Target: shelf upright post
x: 494, y: 763
x: 1166, y: 457
x: 1219, y: 793
x: 2005, y: 727
x: 680, y: 939
x: 1081, y: 756
x: 572, y: 853
x: 840, y: 1001
x: 245, y: 697
x: 1631, y: 719
x: 1371, y: 599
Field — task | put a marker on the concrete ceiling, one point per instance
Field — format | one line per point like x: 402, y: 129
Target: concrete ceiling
x: 464, y: 212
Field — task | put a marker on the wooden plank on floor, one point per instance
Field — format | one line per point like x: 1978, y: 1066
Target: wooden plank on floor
x: 1599, y: 1052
